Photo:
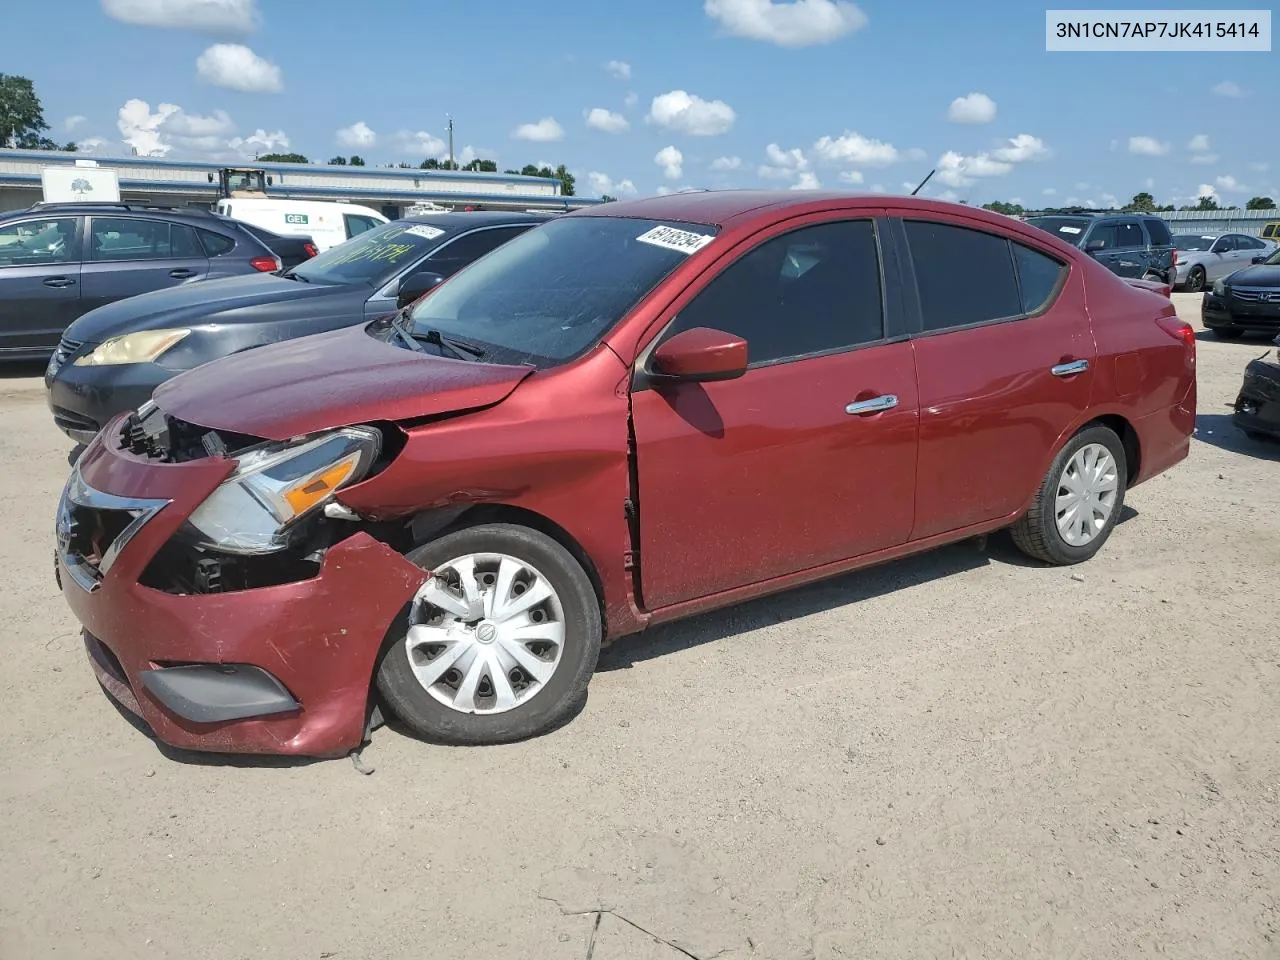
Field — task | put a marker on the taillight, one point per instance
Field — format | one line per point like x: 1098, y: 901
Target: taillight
x: 265, y: 264
x: 310, y: 249
x: 1175, y: 256
x: 1179, y: 330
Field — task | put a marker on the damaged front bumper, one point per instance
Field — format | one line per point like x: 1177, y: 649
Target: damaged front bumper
x: 283, y: 668
x: 1257, y: 406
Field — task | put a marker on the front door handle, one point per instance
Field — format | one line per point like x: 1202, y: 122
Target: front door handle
x: 875, y: 405
x: 181, y: 274
x: 1070, y: 369
x: 59, y: 282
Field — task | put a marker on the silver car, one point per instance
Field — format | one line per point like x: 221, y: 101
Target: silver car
x: 1203, y: 258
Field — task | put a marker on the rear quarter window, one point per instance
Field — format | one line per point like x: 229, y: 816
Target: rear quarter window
x: 1158, y: 231
x: 215, y: 244
x: 964, y: 276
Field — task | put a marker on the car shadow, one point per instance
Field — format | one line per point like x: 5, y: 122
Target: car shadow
x: 1247, y: 339
x: 1218, y: 430
x: 23, y: 369
x: 844, y: 590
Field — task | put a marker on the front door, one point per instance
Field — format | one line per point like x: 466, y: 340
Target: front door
x: 1004, y: 358
x: 807, y: 459
x: 39, y: 282
x: 128, y: 256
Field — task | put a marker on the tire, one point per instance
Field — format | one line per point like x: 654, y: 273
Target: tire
x: 1227, y: 333
x: 1037, y: 532
x: 558, y: 697
x: 1195, y: 280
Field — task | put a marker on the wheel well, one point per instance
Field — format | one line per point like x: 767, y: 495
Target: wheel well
x: 1129, y: 438
x: 505, y: 513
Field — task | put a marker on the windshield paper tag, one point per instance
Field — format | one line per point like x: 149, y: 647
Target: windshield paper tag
x: 682, y: 241
x: 1068, y: 229
x: 426, y: 231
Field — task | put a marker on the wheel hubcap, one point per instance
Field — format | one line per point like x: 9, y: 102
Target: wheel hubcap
x: 1087, y: 493
x: 486, y: 633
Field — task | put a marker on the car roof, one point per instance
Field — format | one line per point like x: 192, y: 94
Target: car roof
x: 459, y: 220
x: 134, y: 210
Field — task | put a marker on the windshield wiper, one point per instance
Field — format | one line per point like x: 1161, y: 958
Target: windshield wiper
x: 459, y: 348
x: 290, y: 275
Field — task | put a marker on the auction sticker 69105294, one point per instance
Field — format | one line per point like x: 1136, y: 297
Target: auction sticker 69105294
x: 682, y: 241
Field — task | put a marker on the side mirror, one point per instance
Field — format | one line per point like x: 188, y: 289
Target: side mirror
x: 1261, y: 259
x: 700, y: 354
x: 416, y: 285
x: 1093, y: 246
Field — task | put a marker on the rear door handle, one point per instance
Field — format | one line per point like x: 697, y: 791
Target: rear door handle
x: 181, y: 274
x: 1070, y: 369
x: 876, y: 404
x: 59, y: 282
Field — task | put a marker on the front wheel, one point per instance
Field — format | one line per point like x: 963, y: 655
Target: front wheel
x: 1079, y: 502
x: 500, y: 643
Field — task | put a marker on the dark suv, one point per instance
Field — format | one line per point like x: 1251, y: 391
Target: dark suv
x: 1129, y: 245
x: 58, y: 261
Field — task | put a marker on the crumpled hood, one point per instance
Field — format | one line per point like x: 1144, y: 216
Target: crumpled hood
x: 330, y: 380
x: 1258, y: 275
x: 250, y: 298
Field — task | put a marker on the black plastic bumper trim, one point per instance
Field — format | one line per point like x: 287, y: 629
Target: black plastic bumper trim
x: 217, y: 692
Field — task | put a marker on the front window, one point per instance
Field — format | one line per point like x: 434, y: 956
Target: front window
x: 550, y: 293
x: 372, y: 257
x: 1069, y: 229
x: 34, y: 242
x: 1274, y: 259
x: 1190, y: 242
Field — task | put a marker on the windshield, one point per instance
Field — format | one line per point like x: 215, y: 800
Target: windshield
x: 1187, y: 241
x: 550, y: 293
x: 1273, y: 259
x: 372, y: 257
x: 1069, y: 229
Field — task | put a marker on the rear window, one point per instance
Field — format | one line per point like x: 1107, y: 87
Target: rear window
x: 1158, y: 231
x: 215, y: 244
x: 1069, y: 229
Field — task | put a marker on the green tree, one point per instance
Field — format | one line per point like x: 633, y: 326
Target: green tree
x: 1206, y: 203
x: 1008, y: 209
x: 337, y: 161
x: 1142, y: 203
x: 567, y: 179
x: 284, y: 158
x: 356, y: 161
x: 605, y: 198
x: 481, y: 166
x: 433, y: 163
x: 22, y: 116
x: 1260, y: 203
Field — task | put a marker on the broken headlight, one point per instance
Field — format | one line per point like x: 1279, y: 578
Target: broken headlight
x: 276, y: 485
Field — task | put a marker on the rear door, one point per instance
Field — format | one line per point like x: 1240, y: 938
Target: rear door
x: 1222, y: 258
x: 1131, y: 257
x: 127, y: 256
x: 39, y: 282
x: 1004, y: 357
x: 808, y: 458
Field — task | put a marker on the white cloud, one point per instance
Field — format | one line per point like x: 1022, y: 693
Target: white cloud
x: 853, y: 148
x: 948, y: 195
x: 470, y: 153
x: 1230, y: 183
x: 958, y: 170
x: 90, y: 145
x: 1204, y: 158
x: 782, y: 164
x: 234, y: 17
x: 192, y: 125
x: 853, y: 176
x: 798, y: 23
x: 602, y: 183
x: 664, y: 191
x: 807, y: 180
x: 545, y: 130
x: 71, y: 123
x: 1147, y: 147
x: 1022, y: 148
x: 723, y: 164
x: 356, y: 135
x: 260, y: 141
x: 421, y: 143
x: 598, y: 118
x: 1199, y: 143
x: 975, y: 108
x: 690, y: 114
x: 1049, y: 192
x: 236, y: 67
x: 631, y: 99
x: 1206, y: 190
x: 1108, y: 200
x: 1227, y: 88
x: 618, y: 69
x: 671, y: 161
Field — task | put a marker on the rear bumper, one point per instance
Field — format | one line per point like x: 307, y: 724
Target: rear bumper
x: 1164, y: 438
x: 283, y: 669
x: 1257, y: 406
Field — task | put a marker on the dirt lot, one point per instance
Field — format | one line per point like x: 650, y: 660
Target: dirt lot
x: 959, y: 755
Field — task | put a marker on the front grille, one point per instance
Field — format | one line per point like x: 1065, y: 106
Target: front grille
x: 67, y: 348
x: 1256, y: 294
x: 70, y: 420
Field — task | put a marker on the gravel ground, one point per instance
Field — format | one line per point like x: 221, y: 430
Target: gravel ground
x: 961, y: 755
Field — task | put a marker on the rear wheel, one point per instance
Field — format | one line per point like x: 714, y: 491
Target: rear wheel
x: 501, y: 641
x: 1077, y: 505
x: 1195, y: 279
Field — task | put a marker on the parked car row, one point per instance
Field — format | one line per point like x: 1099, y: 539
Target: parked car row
x: 1245, y: 300
x: 622, y: 416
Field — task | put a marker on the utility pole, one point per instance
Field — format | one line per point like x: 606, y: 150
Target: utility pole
x: 450, y: 141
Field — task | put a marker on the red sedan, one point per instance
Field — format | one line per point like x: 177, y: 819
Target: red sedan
x: 628, y: 415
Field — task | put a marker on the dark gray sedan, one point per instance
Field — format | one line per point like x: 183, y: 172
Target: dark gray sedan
x: 112, y: 358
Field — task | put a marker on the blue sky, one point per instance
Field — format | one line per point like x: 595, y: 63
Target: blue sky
x: 780, y: 94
